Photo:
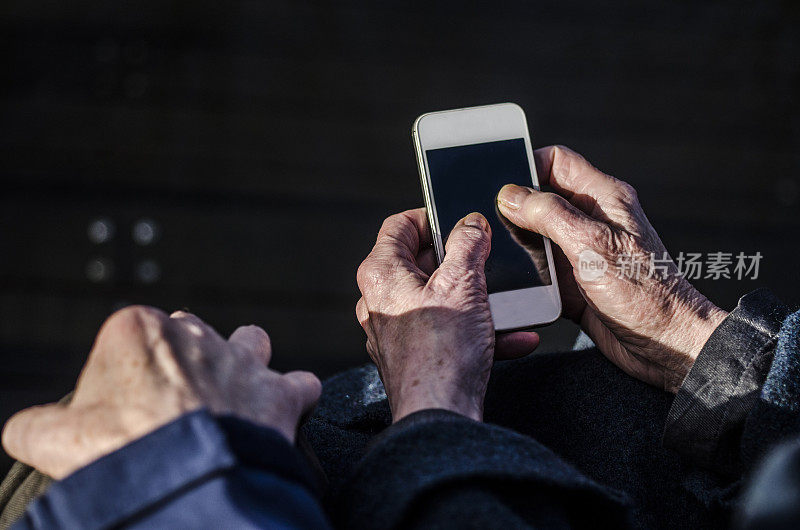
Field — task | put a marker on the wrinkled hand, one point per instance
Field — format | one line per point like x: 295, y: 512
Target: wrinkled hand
x: 145, y: 370
x: 430, y: 333
x: 651, y: 327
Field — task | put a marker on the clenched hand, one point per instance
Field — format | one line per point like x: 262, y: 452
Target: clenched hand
x: 146, y: 369
x: 431, y: 332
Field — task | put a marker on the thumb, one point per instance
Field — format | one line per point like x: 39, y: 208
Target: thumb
x: 35, y: 437
x: 553, y: 217
x: 468, y: 245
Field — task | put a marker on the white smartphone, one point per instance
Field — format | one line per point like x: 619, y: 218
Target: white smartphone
x: 465, y: 156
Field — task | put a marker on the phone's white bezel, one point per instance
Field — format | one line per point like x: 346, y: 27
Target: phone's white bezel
x: 511, y: 310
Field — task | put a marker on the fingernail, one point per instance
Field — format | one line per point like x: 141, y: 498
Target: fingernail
x: 511, y: 196
x: 475, y: 220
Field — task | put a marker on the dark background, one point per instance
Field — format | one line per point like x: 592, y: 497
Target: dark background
x: 263, y: 143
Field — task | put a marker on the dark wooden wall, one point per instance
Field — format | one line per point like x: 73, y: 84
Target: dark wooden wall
x: 265, y: 142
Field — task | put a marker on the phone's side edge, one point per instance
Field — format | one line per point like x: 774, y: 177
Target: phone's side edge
x: 426, y: 192
x: 547, y: 244
x: 553, y: 288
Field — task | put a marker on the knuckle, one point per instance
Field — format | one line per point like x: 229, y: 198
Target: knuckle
x: 254, y: 332
x: 375, y: 274
x: 132, y: 321
x: 550, y: 205
x: 366, y: 275
x: 563, y: 158
x: 302, y: 386
x: 362, y: 313
x: 627, y: 193
x: 561, y: 150
x: 392, y: 223
x: 313, y: 384
x: 399, y: 230
x: 127, y: 333
x: 468, y: 237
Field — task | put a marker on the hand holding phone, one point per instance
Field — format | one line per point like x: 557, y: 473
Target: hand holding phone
x: 429, y: 332
x: 644, y: 316
x: 465, y: 156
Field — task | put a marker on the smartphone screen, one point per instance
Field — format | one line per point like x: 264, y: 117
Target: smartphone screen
x: 467, y: 178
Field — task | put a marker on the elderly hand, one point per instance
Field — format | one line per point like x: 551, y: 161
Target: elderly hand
x: 652, y: 326
x: 431, y: 332
x: 145, y: 370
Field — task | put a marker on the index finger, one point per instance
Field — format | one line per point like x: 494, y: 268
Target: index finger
x: 394, y: 255
x: 407, y: 230
x: 573, y: 176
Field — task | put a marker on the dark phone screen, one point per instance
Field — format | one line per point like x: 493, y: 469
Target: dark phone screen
x: 466, y: 179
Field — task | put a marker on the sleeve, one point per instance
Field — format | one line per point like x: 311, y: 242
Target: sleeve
x: 437, y: 469
x: 195, y: 472
x: 772, y: 498
x: 741, y: 395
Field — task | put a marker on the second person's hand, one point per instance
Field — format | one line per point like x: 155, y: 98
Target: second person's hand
x: 146, y: 369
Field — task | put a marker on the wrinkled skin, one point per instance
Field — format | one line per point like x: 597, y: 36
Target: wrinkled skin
x: 430, y: 333
x: 651, y: 327
x: 145, y: 370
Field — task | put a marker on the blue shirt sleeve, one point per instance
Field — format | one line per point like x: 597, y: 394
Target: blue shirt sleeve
x: 197, y: 471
